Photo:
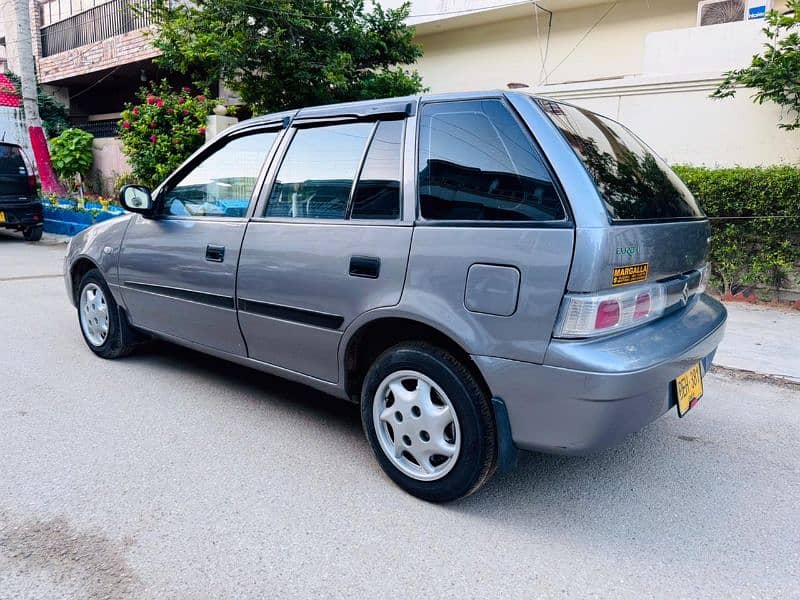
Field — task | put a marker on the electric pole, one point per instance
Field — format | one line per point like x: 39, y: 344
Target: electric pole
x: 19, y: 46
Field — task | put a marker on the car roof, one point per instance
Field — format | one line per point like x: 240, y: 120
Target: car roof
x: 365, y: 108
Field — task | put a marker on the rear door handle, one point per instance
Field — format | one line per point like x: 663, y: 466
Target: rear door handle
x: 215, y: 253
x: 365, y: 266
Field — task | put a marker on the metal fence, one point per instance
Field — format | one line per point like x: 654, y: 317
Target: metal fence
x: 97, y: 24
x: 100, y: 129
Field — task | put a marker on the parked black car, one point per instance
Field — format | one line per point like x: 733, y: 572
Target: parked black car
x: 20, y: 207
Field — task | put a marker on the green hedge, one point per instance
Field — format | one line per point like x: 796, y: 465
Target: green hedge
x: 755, y: 216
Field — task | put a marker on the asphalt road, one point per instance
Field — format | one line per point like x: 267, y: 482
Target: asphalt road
x: 174, y: 475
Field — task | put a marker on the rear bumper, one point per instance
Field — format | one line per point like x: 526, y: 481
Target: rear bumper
x: 591, y: 394
x: 22, y: 214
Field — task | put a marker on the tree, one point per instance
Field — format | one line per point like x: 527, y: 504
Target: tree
x: 160, y: 131
x: 774, y: 74
x: 280, y: 54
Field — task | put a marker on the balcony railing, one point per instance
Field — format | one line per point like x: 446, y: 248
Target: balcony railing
x: 97, y: 24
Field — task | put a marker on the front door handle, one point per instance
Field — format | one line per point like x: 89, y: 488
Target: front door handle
x: 365, y: 266
x: 215, y: 253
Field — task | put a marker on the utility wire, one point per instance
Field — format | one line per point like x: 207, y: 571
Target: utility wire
x: 584, y: 36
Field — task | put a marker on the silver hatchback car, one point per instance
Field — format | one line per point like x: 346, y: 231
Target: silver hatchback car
x: 482, y: 272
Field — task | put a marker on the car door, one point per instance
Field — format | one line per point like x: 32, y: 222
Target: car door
x: 178, y: 269
x: 328, y: 244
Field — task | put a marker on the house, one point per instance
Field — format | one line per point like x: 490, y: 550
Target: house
x: 93, y: 55
x: 647, y: 63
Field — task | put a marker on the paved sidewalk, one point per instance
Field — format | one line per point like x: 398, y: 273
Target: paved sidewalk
x: 761, y: 339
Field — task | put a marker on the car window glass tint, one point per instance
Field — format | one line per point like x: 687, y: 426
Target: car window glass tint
x: 221, y: 185
x: 634, y: 182
x: 11, y: 161
x: 316, y: 176
x: 477, y: 164
x: 377, y: 194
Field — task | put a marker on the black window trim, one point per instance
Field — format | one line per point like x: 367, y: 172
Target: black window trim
x: 348, y: 209
x: 566, y: 223
x: 282, y: 149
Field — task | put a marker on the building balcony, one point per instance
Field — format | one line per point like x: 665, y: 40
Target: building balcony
x: 102, y: 22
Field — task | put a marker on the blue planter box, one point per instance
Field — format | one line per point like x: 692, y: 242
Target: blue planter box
x: 62, y: 220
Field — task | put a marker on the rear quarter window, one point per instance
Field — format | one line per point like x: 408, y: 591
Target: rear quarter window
x: 634, y: 183
x: 11, y: 161
x: 477, y: 164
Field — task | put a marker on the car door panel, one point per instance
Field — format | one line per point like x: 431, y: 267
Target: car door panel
x: 296, y: 279
x: 178, y: 269
x: 170, y: 287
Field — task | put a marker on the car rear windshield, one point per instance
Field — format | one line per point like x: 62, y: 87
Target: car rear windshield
x: 11, y: 161
x: 633, y: 181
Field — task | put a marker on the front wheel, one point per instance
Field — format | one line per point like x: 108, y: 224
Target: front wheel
x: 104, y: 331
x: 429, y: 423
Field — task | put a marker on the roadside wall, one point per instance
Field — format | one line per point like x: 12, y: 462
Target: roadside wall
x: 109, y: 163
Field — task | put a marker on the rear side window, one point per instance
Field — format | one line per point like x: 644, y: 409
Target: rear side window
x: 477, y: 164
x: 317, y: 174
x: 377, y: 194
x: 11, y: 161
x: 316, y: 177
x: 634, y: 182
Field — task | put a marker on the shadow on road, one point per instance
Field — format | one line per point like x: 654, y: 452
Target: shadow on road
x: 252, y: 382
x: 633, y: 497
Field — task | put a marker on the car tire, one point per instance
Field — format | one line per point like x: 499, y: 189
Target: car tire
x: 104, y: 327
x: 409, y: 394
x: 33, y: 234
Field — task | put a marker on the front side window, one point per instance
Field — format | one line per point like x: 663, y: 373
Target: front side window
x: 477, y: 164
x: 222, y: 183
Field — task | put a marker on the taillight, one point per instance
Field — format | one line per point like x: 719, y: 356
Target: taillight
x: 588, y: 315
x: 642, y: 308
x: 31, y: 182
x: 608, y: 312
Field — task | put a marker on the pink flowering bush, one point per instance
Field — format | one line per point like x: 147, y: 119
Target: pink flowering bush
x: 162, y: 130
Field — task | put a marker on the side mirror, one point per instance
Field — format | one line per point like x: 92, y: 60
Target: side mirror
x: 136, y: 198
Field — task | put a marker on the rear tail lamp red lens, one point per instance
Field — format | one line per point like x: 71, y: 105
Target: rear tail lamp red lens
x: 608, y: 313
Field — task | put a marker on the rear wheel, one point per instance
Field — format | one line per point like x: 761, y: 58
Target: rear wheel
x: 33, y: 234
x: 106, y: 334
x: 430, y: 425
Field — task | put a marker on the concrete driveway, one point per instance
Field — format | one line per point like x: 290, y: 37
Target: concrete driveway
x: 173, y: 475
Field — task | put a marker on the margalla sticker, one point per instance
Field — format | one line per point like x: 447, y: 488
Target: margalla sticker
x: 629, y: 274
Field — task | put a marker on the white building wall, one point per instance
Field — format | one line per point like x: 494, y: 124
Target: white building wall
x: 645, y: 64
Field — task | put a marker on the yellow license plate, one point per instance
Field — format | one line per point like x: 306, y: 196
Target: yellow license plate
x: 690, y: 389
x: 2, y: 217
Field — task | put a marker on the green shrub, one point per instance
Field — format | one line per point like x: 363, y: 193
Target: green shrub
x: 162, y: 130
x: 755, y: 216
x: 71, y: 153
